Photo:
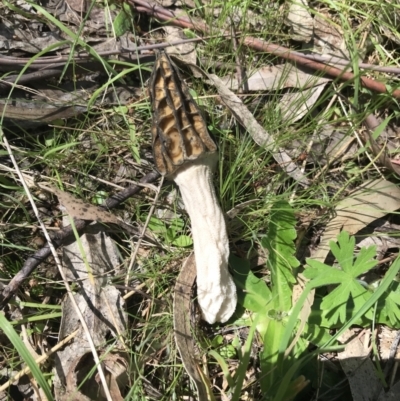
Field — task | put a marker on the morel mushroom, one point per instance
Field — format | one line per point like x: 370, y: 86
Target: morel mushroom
x: 184, y: 151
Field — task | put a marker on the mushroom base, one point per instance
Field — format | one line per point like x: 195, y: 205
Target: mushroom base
x: 216, y: 291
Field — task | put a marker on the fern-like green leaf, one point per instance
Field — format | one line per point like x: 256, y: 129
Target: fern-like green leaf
x: 279, y: 242
x: 253, y: 293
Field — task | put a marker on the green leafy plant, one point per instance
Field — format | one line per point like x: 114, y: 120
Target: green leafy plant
x: 349, y: 295
x: 276, y: 318
x: 271, y: 305
x: 171, y: 232
x: 122, y: 22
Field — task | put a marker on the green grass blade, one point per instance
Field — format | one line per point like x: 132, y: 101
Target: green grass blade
x: 13, y: 336
x: 73, y: 36
x: 242, y: 369
x: 279, y: 242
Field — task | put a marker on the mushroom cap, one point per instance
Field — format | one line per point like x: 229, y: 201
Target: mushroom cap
x: 178, y: 129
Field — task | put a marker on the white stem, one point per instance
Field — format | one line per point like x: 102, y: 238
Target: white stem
x: 216, y: 291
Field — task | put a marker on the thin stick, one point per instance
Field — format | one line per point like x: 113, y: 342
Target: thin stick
x: 39, y: 360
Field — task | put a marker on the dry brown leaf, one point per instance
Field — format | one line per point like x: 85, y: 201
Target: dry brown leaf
x: 77, y: 208
x: 294, y: 106
x: 371, y: 201
x: 184, y: 51
x: 238, y: 16
x: 387, y: 337
x: 80, y: 209
x: 79, y: 6
x: 328, y: 38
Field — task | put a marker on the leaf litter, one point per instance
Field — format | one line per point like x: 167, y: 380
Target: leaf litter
x: 372, y: 201
x: 90, y: 262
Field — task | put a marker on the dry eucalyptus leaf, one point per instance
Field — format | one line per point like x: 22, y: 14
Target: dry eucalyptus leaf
x: 371, y: 201
x: 300, y: 21
x: 328, y: 38
x: 185, y: 51
x: 257, y: 132
x: 78, y: 5
x: 319, y: 35
x: 295, y: 106
x: 277, y: 77
x: 18, y: 41
x: 91, y: 388
x: 80, y: 209
x: 387, y: 337
x: 238, y: 16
